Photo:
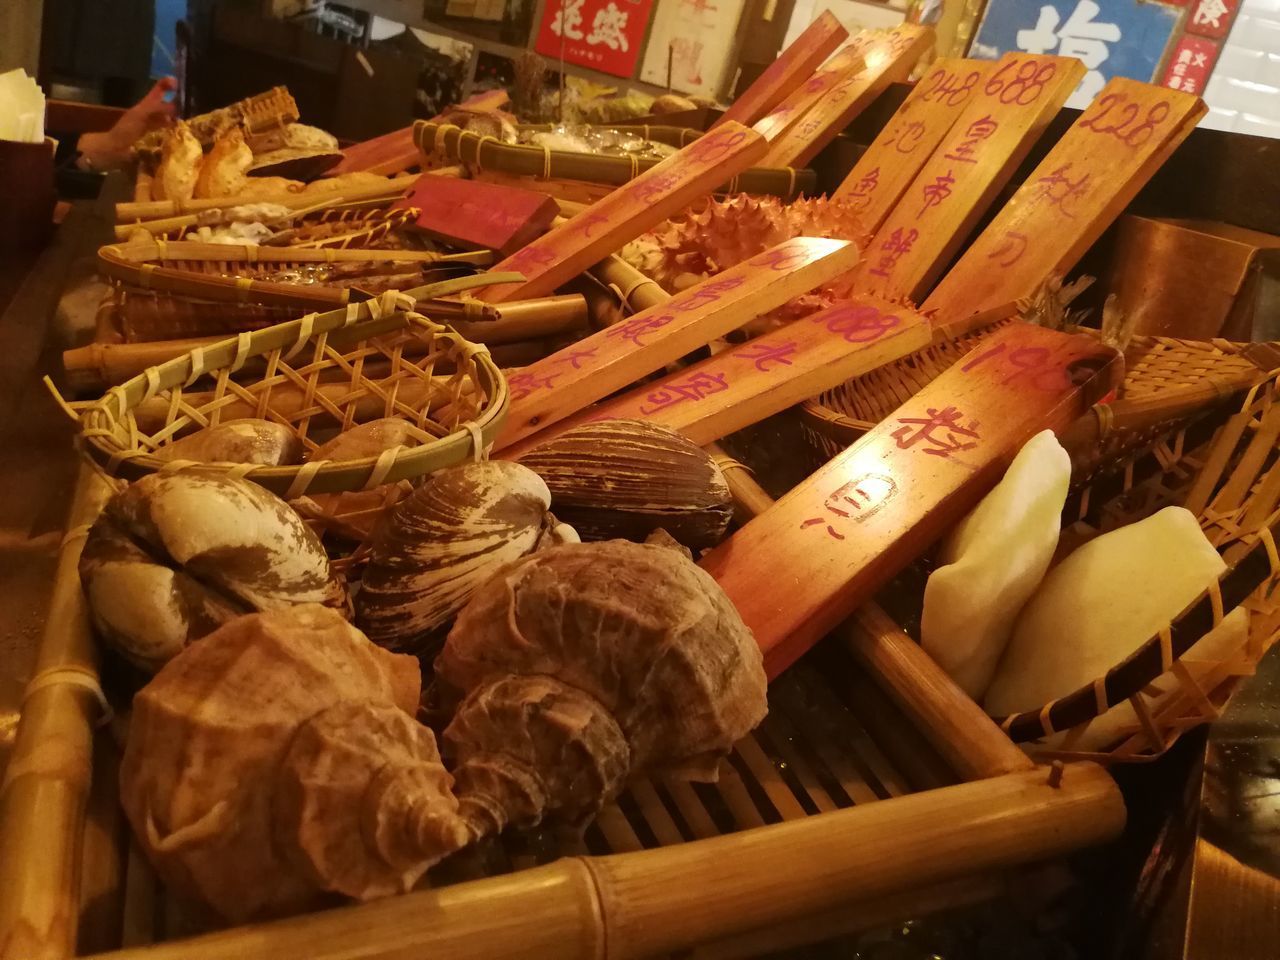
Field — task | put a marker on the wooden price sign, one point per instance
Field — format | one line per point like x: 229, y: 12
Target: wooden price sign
x: 844, y: 64
x: 746, y: 383
x: 560, y: 385
x: 1084, y: 183
x: 825, y: 548
x: 882, y: 174
x: 957, y: 183
x: 476, y: 215
x: 793, y: 67
x: 891, y: 57
x: 662, y: 190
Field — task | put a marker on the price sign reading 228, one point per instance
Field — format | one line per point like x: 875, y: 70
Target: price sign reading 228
x: 1119, y: 115
x: 1024, y: 85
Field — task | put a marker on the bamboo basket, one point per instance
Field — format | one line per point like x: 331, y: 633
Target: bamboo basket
x: 591, y: 175
x: 319, y: 375
x: 368, y: 225
x: 164, y: 290
x: 1142, y: 452
x: 873, y: 790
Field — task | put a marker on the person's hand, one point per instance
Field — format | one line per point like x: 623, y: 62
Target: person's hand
x: 112, y: 148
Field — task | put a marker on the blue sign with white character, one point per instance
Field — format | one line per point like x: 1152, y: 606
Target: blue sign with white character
x: 1113, y: 38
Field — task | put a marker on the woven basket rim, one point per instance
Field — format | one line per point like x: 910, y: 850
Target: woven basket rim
x: 363, y: 320
x: 129, y: 263
x: 523, y: 159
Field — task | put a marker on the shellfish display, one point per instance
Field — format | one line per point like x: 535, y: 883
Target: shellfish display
x: 175, y: 555
x: 237, y: 441
x: 444, y: 540
x: 584, y: 665
x: 624, y: 479
x: 277, y: 760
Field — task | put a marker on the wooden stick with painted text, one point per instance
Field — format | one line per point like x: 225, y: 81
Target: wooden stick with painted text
x: 883, y: 173
x: 560, y: 385
x: 828, y: 545
x: 746, y: 383
x: 1084, y: 183
x: 662, y: 190
x: 967, y: 738
x: 794, y: 66
x: 891, y: 58
x: 845, y: 63
x: 975, y: 159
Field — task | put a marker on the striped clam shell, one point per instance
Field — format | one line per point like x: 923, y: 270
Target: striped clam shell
x: 443, y: 541
x: 625, y: 479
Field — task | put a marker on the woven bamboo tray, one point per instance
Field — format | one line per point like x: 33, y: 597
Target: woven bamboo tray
x: 367, y: 225
x: 487, y: 156
x: 874, y: 790
x: 319, y: 375
x: 1133, y: 456
x: 235, y: 272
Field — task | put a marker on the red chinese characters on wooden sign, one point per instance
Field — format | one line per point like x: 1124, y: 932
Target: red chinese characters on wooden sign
x: 696, y: 386
x: 1060, y: 189
x: 853, y: 502
x: 943, y: 432
x: 524, y: 383
x: 605, y: 35
x: 894, y: 247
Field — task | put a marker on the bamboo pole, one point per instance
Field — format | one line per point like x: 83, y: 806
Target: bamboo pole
x: 46, y: 785
x: 99, y: 365
x: 956, y: 726
x: 854, y: 918
x: 653, y: 902
x: 346, y: 193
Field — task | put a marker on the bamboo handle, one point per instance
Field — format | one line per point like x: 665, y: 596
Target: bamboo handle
x: 659, y: 901
x: 46, y: 785
x: 653, y: 902
x: 959, y: 730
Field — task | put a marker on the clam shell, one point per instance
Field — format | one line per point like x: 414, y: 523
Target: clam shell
x: 369, y: 440
x: 237, y: 441
x: 624, y: 479
x: 175, y: 555
x: 441, y: 542
x: 353, y: 515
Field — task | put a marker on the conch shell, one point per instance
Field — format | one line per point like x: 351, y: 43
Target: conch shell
x: 277, y: 760
x: 588, y: 663
x: 444, y: 540
x: 175, y: 555
x: 624, y: 479
x: 237, y: 441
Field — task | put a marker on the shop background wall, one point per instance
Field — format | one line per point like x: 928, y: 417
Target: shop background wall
x: 1244, y: 91
x: 20, y: 35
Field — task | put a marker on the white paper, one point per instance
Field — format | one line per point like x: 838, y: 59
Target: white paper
x: 21, y: 108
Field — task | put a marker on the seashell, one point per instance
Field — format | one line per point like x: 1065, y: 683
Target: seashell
x: 175, y: 555
x: 237, y: 441
x: 442, y: 541
x: 586, y: 664
x: 277, y: 761
x: 355, y: 514
x: 625, y: 479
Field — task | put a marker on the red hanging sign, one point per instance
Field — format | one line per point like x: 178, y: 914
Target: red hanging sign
x: 605, y: 35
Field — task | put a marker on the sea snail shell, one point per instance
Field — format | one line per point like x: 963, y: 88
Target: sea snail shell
x: 277, y: 760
